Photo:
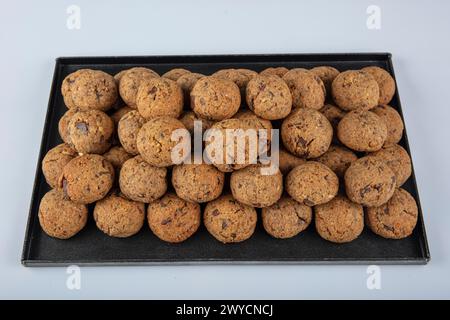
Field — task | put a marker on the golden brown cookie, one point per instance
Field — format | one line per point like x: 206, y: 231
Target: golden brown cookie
x: 173, y: 219
x: 256, y: 123
x: 186, y: 83
x: 54, y: 162
x: 127, y: 130
x: 59, y: 217
x: 175, y: 74
x: 189, y: 117
x: 141, y: 181
x: 117, y: 156
x: 228, y: 220
x: 395, y: 219
x: 288, y: 161
x: 339, y: 220
x: 333, y: 114
x: 130, y: 82
x: 385, y: 82
x: 369, y: 181
x: 312, y: 183
x: 393, y: 122
x: 327, y: 74
x: 239, y: 76
x: 286, y: 218
x: 362, y: 130
x: 338, y: 159
x: 117, y: 115
x: 276, y: 71
x: 398, y: 160
x: 307, y: 90
x: 355, y: 89
x: 63, y: 125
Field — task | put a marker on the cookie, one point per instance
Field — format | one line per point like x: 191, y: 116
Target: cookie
x: 239, y: 76
x: 88, y: 89
x: 362, y: 130
x: 257, y: 123
x: 255, y: 187
x: 197, y: 182
x: 87, y: 178
x: 327, y: 74
x: 159, y: 97
x: 63, y: 125
x: 119, y: 217
x: 228, y: 220
x: 338, y: 159
x: 275, y: 71
x: 333, y: 114
x: 91, y: 131
x: 385, y: 82
x: 127, y: 130
x: 369, y: 181
x: 175, y: 74
x: 398, y: 160
x: 354, y: 89
x: 117, y: 156
x: 130, y: 82
x: 269, y: 97
x: 189, y: 117
x: 339, y: 220
x: 214, y: 98
x: 117, y: 115
x: 119, y: 76
x: 393, y: 122
x: 173, y: 219
x: 287, y: 161
x: 59, y: 217
x: 186, y: 83
x: 395, y: 219
x: 286, y: 218
x: 312, y: 183
x: 307, y: 90
x: 306, y: 133
x: 54, y: 162
x: 155, y: 143
x: 140, y: 181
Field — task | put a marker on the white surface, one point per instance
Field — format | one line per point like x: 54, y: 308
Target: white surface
x: 34, y: 33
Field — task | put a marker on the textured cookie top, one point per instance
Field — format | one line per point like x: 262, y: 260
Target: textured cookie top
x: 385, y: 82
x: 307, y: 89
x: 131, y: 80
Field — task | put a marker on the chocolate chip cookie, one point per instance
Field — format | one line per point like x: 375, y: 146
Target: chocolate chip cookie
x: 338, y: 159
x: 385, y: 82
x: 393, y: 122
x: 131, y: 80
x: 54, y: 162
x: 127, y: 130
x: 327, y: 74
x: 175, y: 74
x: 398, y: 160
x: 307, y: 89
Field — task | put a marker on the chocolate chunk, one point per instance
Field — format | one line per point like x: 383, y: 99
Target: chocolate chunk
x: 82, y: 126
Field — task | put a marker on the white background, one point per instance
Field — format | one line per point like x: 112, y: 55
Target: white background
x: 34, y: 33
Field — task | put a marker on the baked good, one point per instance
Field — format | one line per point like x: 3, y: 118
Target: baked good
x: 398, y: 160
x: 338, y: 159
x: 312, y: 183
x: 59, y: 217
x: 339, y: 220
x: 159, y: 97
x: 355, y: 89
x: 393, y: 122
x: 155, y: 144
x: 239, y: 76
x: 257, y: 123
x: 269, y: 97
x: 369, y: 181
x: 197, y: 182
x: 119, y: 217
x: 306, y: 133
x: 287, y: 161
x: 327, y: 74
x: 117, y: 115
x: 333, y: 114
x: 307, y: 90
x: 362, y: 130
x: 130, y: 82
x: 141, y: 181
x: 87, y: 178
x: 395, y: 219
x: 255, y: 187
x: 54, y: 162
x: 91, y: 131
x: 215, y: 98
x: 286, y: 218
x: 228, y: 220
x: 173, y: 219
x: 189, y: 117
x: 117, y: 156
x: 276, y: 71
x: 63, y: 125
x: 175, y: 74
x: 127, y: 130
x: 385, y: 82
x: 186, y: 83
x: 118, y: 76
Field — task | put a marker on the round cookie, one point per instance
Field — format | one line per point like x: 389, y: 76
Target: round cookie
x: 159, y: 97
x: 395, y: 219
x: 86, y: 178
x: 398, y: 160
x: 119, y: 76
x: 257, y: 123
x: 130, y: 82
x: 338, y: 159
x: 127, y: 130
x: 354, y: 89
x: 197, y: 182
x: 155, y: 144
x: 63, y: 125
x: 312, y: 183
x: 254, y: 187
x: 339, y: 220
x: 142, y: 182
x: 393, y: 122
x: 119, y: 217
x: 369, y: 181
x: 385, y: 82
x: 214, y: 98
x: 54, y: 162
x: 228, y: 220
x: 91, y: 131
x: 59, y: 217
x: 307, y: 90
x: 116, y: 116
x: 189, y: 117
x: 269, y: 97
x: 239, y: 76
x: 287, y: 161
x: 276, y: 71
x: 173, y: 219
x: 362, y: 130
x: 175, y: 74
x: 88, y: 89
x: 327, y: 74
x: 286, y: 218
x: 306, y: 133
x: 186, y: 83
x: 333, y: 114
x: 117, y: 156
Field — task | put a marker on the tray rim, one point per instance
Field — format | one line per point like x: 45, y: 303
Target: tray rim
x: 356, y: 56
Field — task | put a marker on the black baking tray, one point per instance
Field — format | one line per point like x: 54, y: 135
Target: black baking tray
x: 92, y: 247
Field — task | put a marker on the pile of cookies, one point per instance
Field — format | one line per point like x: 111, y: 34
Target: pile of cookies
x: 340, y: 164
